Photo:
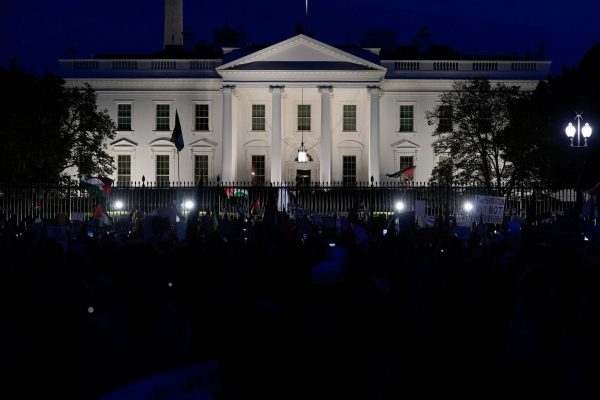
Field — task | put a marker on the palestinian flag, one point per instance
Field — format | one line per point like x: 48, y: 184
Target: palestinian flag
x: 229, y: 192
x: 406, y: 173
x: 255, y: 206
x: 96, y: 185
x: 100, y: 218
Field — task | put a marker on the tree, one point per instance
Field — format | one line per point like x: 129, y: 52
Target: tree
x: 473, y: 129
x: 50, y: 129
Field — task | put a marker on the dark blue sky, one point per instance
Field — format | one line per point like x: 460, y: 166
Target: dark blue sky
x: 38, y: 32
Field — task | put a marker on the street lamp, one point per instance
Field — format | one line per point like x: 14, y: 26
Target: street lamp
x: 586, y: 132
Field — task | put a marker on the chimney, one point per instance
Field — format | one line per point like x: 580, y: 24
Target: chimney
x: 173, y: 23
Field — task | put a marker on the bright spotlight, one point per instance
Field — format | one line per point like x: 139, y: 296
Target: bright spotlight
x: 468, y: 206
x: 118, y: 205
x: 189, y: 204
x: 399, y: 206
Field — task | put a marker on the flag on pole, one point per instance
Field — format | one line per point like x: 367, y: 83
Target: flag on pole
x: 255, y: 206
x: 177, y: 136
x: 404, y: 174
x: 100, y: 218
x: 96, y: 185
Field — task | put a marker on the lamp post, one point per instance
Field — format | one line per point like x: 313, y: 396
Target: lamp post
x: 586, y: 132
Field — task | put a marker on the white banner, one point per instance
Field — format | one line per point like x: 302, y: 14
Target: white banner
x: 490, y: 208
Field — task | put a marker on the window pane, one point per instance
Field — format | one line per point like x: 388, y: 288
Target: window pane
x: 124, y: 117
x: 162, y: 169
x: 406, y: 161
x: 163, y: 117
x: 406, y: 119
x: 258, y: 117
x: 304, y: 117
x: 349, y: 124
x: 123, y: 169
x: 201, y: 117
x: 349, y: 169
x: 201, y: 168
x: 445, y: 119
x: 258, y: 170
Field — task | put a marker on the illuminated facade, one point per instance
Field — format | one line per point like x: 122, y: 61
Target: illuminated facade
x: 244, y: 112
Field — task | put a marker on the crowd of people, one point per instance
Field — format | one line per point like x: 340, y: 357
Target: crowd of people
x: 304, y: 306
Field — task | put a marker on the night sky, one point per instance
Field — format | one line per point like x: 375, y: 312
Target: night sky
x: 38, y: 32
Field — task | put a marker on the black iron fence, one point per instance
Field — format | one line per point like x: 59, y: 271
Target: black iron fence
x: 48, y: 201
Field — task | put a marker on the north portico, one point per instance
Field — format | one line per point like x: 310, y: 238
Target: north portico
x: 300, y: 88
x: 246, y: 111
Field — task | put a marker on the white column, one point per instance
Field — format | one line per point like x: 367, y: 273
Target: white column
x: 276, y: 133
x: 228, y: 150
x: 325, y: 166
x: 374, y: 93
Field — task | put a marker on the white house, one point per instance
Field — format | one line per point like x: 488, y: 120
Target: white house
x: 360, y: 113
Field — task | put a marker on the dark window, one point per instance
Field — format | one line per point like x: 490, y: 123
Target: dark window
x: 201, y: 168
x: 304, y: 117
x: 406, y: 161
x: 258, y: 117
x: 123, y: 169
x: 406, y: 119
x: 349, y: 124
x: 162, y: 170
x: 349, y: 170
x: 163, y: 117
x: 124, y: 117
x: 201, y: 117
x: 258, y: 170
x: 445, y: 119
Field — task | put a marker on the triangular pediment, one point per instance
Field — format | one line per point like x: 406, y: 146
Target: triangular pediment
x: 300, y: 52
x: 405, y: 144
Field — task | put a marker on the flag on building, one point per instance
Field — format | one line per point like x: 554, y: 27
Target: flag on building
x: 404, y: 174
x: 96, y: 185
x: 177, y: 136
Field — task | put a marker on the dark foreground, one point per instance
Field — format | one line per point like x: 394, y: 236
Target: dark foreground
x: 285, y: 315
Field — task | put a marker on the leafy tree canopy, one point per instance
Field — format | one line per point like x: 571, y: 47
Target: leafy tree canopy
x: 473, y: 134
x: 50, y: 130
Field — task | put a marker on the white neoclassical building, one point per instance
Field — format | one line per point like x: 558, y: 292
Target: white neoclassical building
x: 245, y: 112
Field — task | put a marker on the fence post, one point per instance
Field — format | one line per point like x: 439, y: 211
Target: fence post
x: 69, y: 200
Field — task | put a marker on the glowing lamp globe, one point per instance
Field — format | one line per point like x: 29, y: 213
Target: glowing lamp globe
x: 586, y: 131
x: 570, y: 130
x: 302, y: 156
